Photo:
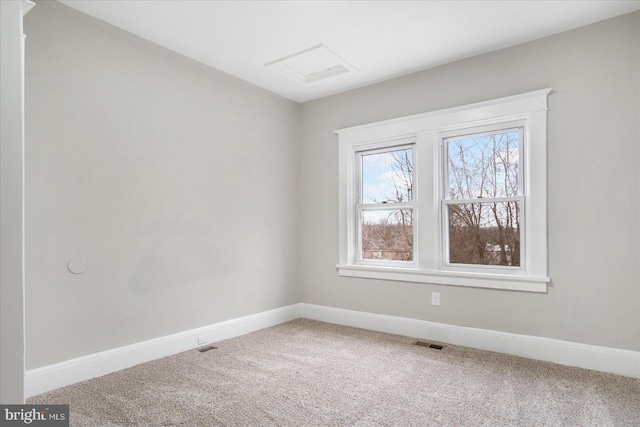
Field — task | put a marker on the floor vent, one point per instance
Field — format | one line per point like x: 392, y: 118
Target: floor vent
x: 207, y: 348
x: 428, y: 345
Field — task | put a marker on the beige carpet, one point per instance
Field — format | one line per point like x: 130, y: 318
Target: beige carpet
x: 308, y: 373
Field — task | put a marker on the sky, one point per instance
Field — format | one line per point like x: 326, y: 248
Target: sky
x: 476, y: 165
x: 379, y: 173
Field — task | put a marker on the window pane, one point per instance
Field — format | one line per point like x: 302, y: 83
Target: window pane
x: 485, y: 233
x: 387, y: 177
x: 387, y: 234
x: 484, y: 166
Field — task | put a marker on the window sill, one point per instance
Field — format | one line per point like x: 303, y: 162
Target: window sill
x: 476, y: 280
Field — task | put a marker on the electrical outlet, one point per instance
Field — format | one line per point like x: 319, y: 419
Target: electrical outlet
x: 203, y: 339
x: 435, y: 298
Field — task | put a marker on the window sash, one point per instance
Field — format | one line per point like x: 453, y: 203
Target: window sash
x: 384, y: 262
x: 397, y: 146
x: 446, y: 253
x: 499, y: 128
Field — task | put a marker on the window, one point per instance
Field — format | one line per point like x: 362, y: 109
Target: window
x: 454, y: 197
x: 482, y: 198
x: 385, y: 208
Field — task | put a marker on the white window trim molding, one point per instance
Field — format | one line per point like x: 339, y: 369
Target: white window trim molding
x: 427, y: 130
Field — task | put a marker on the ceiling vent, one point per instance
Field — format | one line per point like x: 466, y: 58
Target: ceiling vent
x: 312, y: 65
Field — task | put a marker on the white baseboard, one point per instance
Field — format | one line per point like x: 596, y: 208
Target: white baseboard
x: 50, y: 377
x: 605, y: 359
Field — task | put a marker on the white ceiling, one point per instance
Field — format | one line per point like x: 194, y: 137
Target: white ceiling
x: 380, y: 39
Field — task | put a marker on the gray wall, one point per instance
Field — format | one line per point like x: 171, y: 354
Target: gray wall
x: 594, y: 187
x: 175, y: 181
x: 11, y: 190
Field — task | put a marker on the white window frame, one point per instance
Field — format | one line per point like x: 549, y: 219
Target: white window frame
x: 360, y: 206
x: 521, y: 126
x: 427, y: 131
